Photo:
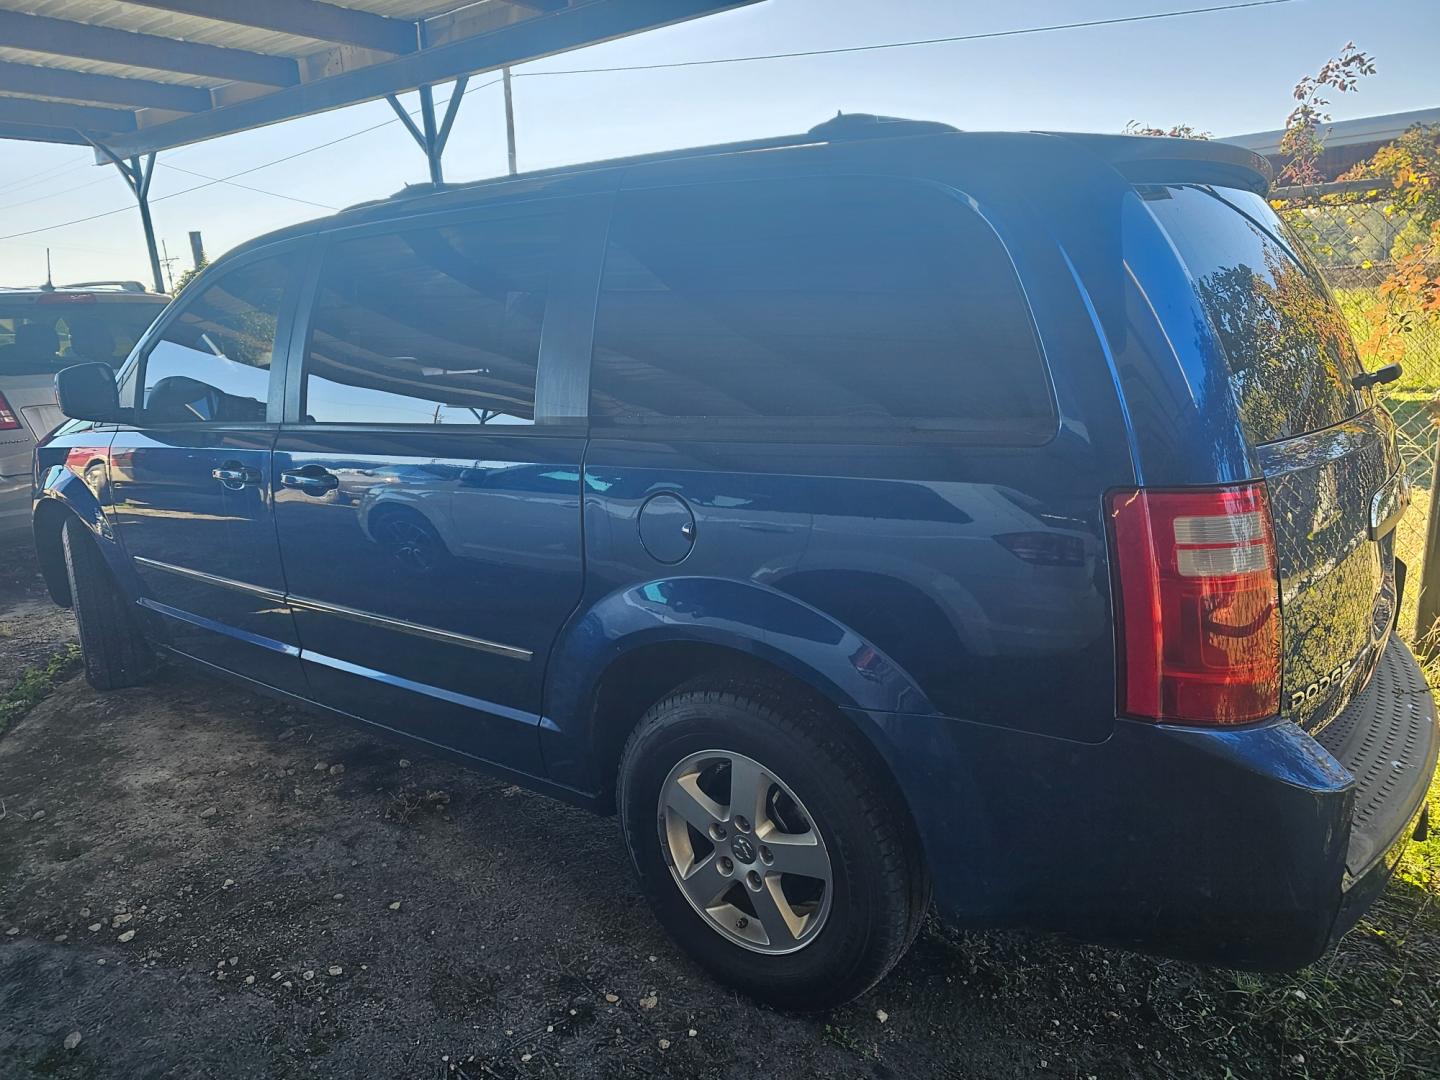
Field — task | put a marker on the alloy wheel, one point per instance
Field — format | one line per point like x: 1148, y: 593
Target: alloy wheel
x: 745, y: 852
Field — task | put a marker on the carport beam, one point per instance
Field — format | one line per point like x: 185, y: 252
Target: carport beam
x: 137, y: 174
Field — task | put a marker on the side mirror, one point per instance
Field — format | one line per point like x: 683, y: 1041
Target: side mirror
x: 87, y: 392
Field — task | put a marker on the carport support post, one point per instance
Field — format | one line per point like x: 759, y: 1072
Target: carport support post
x: 137, y: 175
x: 431, y: 139
x: 427, y: 119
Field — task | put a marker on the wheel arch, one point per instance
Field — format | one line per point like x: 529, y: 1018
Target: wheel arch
x: 635, y: 646
x: 62, y: 496
x: 47, y: 522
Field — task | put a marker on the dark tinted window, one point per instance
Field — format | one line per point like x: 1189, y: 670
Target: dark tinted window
x: 1287, y: 346
x: 845, y: 302
x: 213, y: 362
x: 45, y: 336
x: 431, y: 326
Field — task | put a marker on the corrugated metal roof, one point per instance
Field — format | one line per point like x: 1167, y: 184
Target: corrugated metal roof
x: 1364, y: 129
x: 144, y: 75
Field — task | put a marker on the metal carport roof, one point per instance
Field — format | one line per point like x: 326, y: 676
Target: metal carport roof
x: 134, y: 77
x: 140, y: 76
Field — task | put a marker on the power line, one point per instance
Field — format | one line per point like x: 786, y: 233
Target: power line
x: 987, y: 35
x: 247, y: 187
x: 231, y: 177
x: 910, y: 44
x: 54, y: 194
x: 177, y: 168
x: 38, y: 177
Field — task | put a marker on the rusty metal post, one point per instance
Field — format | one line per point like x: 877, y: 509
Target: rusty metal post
x: 1427, y: 618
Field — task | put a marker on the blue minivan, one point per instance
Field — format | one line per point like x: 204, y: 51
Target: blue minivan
x: 880, y: 513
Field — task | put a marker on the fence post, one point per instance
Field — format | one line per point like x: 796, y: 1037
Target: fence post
x: 1428, y: 613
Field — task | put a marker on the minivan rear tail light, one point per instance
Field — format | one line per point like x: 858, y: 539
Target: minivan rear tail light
x: 8, y: 420
x: 1198, y: 604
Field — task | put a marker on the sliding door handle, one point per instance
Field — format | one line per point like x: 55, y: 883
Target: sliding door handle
x: 235, y: 476
x: 311, y: 479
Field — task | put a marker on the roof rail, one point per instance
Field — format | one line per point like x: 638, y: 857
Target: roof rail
x: 842, y: 126
x: 415, y: 192
x: 123, y: 286
x: 870, y: 126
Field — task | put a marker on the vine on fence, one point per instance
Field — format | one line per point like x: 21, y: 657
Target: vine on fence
x: 1301, y: 142
x: 1406, y: 171
x: 1409, y: 168
x: 1377, y: 242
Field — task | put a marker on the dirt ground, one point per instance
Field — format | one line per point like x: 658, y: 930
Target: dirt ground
x: 195, y: 881
x: 32, y: 628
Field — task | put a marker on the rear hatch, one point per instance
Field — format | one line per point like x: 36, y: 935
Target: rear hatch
x: 1324, y: 448
x: 43, y: 331
x: 32, y: 399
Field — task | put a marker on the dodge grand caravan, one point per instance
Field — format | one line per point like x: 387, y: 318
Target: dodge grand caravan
x: 873, y: 514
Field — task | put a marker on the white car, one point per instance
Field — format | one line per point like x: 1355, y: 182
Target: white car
x: 41, y: 331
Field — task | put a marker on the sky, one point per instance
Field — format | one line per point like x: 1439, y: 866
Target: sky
x: 1225, y: 72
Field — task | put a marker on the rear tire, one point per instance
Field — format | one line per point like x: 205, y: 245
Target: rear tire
x: 116, y: 654
x: 798, y: 941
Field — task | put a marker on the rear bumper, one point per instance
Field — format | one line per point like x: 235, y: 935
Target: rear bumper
x: 14, y: 505
x: 1253, y: 848
x: 1387, y: 741
x: 17, y: 448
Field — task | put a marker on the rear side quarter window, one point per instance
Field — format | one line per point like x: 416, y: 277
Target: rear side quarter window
x: 814, y: 305
x: 1287, y: 349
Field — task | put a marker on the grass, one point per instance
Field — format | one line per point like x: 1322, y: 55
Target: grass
x: 35, y: 684
x: 1371, y: 1008
x: 1409, y: 402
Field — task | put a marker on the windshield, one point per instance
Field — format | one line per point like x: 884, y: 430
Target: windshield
x: 1287, y: 346
x: 38, y: 338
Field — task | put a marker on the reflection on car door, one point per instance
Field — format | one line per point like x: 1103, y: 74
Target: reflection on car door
x: 429, y: 525
x: 190, y: 481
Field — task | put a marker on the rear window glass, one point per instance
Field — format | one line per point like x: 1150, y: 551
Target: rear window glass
x: 1287, y: 347
x: 42, y: 337
x: 838, y: 304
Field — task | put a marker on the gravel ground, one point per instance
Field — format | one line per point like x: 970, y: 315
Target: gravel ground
x: 195, y: 881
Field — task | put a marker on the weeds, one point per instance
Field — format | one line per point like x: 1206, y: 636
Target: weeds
x: 35, y: 684
x: 408, y: 801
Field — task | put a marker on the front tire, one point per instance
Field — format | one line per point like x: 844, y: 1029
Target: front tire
x: 766, y: 845
x: 116, y: 655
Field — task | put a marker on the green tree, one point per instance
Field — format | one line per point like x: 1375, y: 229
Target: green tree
x: 189, y: 276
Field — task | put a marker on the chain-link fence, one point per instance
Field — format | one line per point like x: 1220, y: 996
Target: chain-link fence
x: 1355, y: 237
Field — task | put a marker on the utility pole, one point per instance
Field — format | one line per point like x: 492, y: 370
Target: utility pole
x: 197, y: 249
x: 509, y: 118
x: 169, y: 263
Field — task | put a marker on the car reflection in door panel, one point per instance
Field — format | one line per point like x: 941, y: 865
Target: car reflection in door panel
x: 424, y: 516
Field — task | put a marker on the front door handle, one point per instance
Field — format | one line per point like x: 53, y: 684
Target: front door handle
x: 311, y: 479
x: 235, y: 476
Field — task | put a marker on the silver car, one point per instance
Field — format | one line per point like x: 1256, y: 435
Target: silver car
x: 41, y: 331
